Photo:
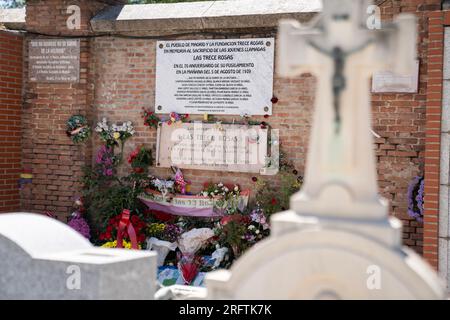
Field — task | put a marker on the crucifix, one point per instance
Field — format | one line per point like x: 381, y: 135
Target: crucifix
x: 342, y: 53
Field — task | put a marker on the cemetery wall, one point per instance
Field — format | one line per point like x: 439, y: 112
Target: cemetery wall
x: 125, y: 83
x: 10, y: 118
x: 117, y: 80
x: 55, y: 162
x: 409, y: 126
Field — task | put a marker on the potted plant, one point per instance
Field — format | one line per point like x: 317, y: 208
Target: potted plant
x: 140, y: 159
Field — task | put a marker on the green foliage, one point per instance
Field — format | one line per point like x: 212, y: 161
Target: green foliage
x: 10, y: 4
x: 141, y: 158
x: 273, y: 198
x: 107, y: 196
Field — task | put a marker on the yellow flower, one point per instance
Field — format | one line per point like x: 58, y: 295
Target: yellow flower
x: 116, y: 135
x: 113, y: 244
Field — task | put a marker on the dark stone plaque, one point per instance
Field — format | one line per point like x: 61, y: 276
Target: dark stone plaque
x: 54, y: 60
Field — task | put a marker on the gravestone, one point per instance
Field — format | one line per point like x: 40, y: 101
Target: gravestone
x: 43, y: 258
x: 337, y: 241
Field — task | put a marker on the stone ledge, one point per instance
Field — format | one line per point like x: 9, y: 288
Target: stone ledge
x: 206, y: 15
x: 13, y: 18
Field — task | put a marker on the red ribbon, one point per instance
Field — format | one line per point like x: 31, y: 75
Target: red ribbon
x: 126, y: 225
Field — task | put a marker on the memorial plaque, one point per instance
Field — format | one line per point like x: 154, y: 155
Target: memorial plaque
x: 387, y: 81
x: 219, y: 147
x: 223, y: 76
x: 54, y: 60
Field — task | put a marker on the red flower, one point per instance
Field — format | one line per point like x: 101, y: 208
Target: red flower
x: 273, y: 201
x: 254, y: 179
x: 266, y: 116
x: 163, y: 216
x: 235, y: 217
x: 274, y: 99
x: 135, y: 220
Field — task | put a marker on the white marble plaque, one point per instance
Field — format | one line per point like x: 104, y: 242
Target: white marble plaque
x: 207, y: 146
x: 54, y: 60
x: 388, y: 81
x: 222, y: 76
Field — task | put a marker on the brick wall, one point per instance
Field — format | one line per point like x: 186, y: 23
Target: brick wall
x: 125, y: 82
x: 125, y: 78
x: 420, y: 115
x: 10, y: 119
x: 56, y: 163
x: 400, y: 120
x: 117, y: 81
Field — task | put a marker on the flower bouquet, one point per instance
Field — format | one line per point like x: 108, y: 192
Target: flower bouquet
x: 78, y: 129
x: 150, y: 119
x: 177, y: 118
x: 140, y: 159
x: 114, y: 134
x: 163, y: 238
x: 189, y: 243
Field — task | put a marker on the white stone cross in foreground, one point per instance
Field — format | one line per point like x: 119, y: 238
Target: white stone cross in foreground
x: 337, y: 241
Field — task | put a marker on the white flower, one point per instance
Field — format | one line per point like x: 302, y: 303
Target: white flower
x: 205, y: 194
x: 236, y: 188
x: 226, y: 189
x: 251, y: 227
x: 220, y: 184
x: 257, y: 231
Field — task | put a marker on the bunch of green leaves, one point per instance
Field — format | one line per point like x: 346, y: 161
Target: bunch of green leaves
x: 107, y: 196
x: 273, y: 198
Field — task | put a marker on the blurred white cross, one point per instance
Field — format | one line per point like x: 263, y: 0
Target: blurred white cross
x: 339, y: 49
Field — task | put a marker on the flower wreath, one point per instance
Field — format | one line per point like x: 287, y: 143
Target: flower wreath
x: 416, y: 198
x: 78, y: 129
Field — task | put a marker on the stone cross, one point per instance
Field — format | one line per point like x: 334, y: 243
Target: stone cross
x: 342, y: 53
x: 336, y: 241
